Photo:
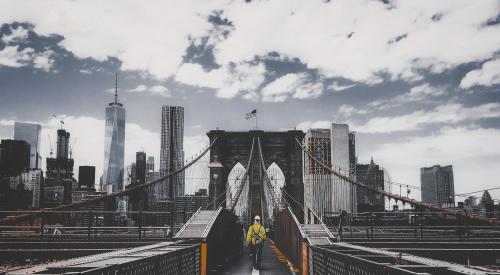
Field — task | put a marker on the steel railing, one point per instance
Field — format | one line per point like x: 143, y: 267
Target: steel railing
x: 289, y: 237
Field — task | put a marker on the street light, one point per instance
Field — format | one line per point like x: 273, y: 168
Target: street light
x: 215, y: 169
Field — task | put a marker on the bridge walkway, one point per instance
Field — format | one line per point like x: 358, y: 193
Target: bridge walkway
x: 270, y: 263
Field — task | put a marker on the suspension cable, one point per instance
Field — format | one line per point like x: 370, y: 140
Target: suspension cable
x: 234, y: 200
x: 212, y: 202
x: 393, y: 196
x: 276, y: 202
x: 127, y: 192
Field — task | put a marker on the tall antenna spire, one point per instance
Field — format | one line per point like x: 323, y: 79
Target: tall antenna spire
x: 116, y: 88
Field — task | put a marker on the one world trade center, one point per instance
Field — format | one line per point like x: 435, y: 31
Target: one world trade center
x: 114, y: 144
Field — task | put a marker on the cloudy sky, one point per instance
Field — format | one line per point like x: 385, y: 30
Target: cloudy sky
x: 419, y: 81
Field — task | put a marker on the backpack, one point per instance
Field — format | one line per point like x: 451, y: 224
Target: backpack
x: 256, y: 237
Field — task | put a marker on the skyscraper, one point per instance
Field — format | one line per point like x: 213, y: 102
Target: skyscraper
x: 114, y: 143
x: 15, y: 157
x: 324, y: 192
x: 86, y: 177
x: 344, y: 193
x: 437, y: 185
x: 150, y: 164
x: 339, y: 135
x: 59, y: 181
x: 140, y: 167
x: 30, y: 133
x: 62, y: 144
x: 172, y: 151
x: 318, y: 143
x: 373, y: 176
x: 33, y: 181
x: 318, y: 181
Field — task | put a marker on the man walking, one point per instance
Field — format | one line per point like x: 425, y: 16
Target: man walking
x: 255, y: 237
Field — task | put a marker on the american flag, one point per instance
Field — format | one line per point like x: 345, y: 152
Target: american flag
x: 251, y: 114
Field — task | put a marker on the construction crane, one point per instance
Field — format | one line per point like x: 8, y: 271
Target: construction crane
x: 71, y: 148
x: 61, y: 121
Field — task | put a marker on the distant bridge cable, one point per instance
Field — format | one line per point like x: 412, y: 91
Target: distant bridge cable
x: 396, y: 197
x: 127, y: 192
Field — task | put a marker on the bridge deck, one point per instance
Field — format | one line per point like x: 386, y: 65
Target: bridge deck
x: 317, y: 234
x: 198, y: 226
x: 269, y: 264
x: 153, y: 259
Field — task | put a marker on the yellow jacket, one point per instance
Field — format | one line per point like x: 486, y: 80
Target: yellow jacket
x: 255, y: 230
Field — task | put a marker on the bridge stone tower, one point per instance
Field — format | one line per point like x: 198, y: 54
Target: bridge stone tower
x: 279, y: 147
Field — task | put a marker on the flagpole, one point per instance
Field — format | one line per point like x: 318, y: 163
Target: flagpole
x: 256, y: 120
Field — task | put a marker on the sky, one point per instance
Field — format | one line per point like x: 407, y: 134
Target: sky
x: 419, y: 81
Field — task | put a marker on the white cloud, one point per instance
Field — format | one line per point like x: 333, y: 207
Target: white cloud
x: 336, y: 87
x: 474, y: 154
x: 356, y: 39
x: 44, y: 60
x: 10, y: 56
x: 488, y: 75
x: 291, y: 85
x: 228, y: 81
x: 348, y: 110
x: 17, y: 34
x: 157, y: 90
x: 306, y: 125
x: 160, y: 90
x: 7, y: 122
x: 421, y: 93
x: 139, y: 89
x: 450, y: 113
x: 85, y: 71
x: 150, y: 37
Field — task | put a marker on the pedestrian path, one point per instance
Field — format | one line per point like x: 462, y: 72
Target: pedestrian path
x: 269, y: 264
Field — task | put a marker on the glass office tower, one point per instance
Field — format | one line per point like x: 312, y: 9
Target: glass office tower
x: 30, y: 133
x: 114, y: 144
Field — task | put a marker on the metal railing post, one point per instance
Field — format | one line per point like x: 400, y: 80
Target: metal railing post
x: 90, y: 224
x: 421, y: 224
x: 467, y: 229
x: 203, y: 258
x: 42, y: 224
x: 371, y: 225
x: 140, y: 223
x: 305, y: 258
x: 350, y: 224
x: 341, y: 227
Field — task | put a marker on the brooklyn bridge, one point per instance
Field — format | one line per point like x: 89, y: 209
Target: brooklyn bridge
x: 250, y: 173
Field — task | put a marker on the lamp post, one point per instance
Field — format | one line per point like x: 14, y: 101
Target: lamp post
x: 215, y: 172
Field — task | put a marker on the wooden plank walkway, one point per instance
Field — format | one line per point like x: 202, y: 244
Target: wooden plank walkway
x: 269, y: 265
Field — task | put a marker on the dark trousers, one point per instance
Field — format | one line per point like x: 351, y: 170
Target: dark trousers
x: 256, y: 251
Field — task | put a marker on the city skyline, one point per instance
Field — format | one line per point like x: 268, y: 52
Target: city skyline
x: 412, y: 106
